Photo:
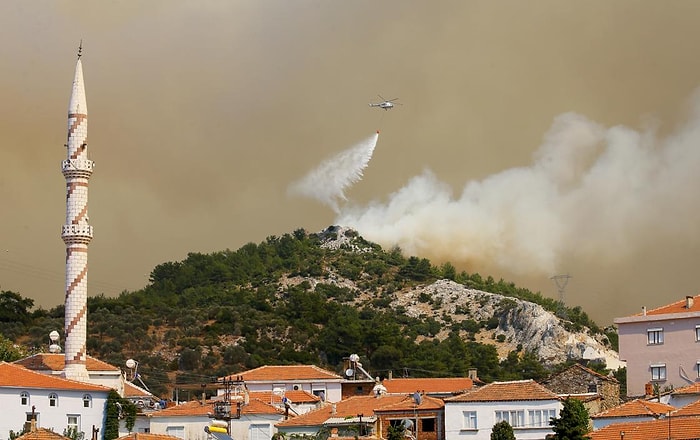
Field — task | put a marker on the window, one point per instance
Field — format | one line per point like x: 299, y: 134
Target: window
x: 87, y: 401
x: 24, y: 398
x: 655, y: 336
x: 53, y: 399
x: 320, y: 393
x: 74, y: 423
x: 697, y: 368
x: 428, y: 425
x: 658, y: 372
x: 539, y: 418
x: 697, y: 333
x: 469, y: 420
x: 516, y: 419
x: 592, y: 388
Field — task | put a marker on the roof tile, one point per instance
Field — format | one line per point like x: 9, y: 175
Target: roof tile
x: 519, y: 390
x: 681, y: 428
x: 57, y: 362
x: 428, y: 385
x: 283, y: 373
x: 12, y: 375
x: 635, y: 408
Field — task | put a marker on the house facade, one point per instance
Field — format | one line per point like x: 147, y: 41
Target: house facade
x: 661, y: 347
x: 53, y: 402
x: 598, y: 392
x: 526, y: 405
x: 422, y: 416
x: 188, y: 421
x: 280, y: 378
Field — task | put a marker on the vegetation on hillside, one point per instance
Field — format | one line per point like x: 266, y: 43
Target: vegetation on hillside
x: 221, y: 313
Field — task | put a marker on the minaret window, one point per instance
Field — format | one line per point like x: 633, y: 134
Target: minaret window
x: 53, y: 399
x: 87, y: 401
x: 24, y: 398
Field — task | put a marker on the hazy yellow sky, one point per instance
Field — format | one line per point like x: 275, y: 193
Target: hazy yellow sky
x: 203, y: 113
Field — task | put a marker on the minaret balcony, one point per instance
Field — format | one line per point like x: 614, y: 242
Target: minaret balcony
x: 77, y: 168
x: 76, y: 233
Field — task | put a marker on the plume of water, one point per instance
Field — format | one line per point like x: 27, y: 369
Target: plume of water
x: 327, y: 182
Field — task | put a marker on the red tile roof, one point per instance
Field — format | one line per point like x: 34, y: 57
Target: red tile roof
x: 12, y: 375
x: 676, y: 307
x: 690, y: 389
x: 296, y: 396
x: 285, y: 373
x: 350, y: 407
x: 131, y: 390
x: 519, y: 390
x: 635, y: 408
x: 409, y: 404
x: 428, y: 385
x: 196, y: 408
x: 57, y: 362
x: 42, y: 434
x: 692, y: 409
x: 681, y: 428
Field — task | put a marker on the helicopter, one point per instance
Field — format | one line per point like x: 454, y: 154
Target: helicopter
x: 386, y: 104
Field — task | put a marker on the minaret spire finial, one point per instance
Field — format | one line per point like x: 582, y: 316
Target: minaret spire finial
x: 80, y: 49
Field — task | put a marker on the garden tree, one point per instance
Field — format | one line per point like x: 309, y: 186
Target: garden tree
x: 9, y: 352
x: 572, y: 423
x: 118, y: 408
x: 14, y: 308
x: 397, y: 432
x: 502, y: 431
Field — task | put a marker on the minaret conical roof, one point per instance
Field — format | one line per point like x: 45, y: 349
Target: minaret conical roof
x: 78, y: 103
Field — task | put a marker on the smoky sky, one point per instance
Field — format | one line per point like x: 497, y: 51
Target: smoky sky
x: 543, y: 137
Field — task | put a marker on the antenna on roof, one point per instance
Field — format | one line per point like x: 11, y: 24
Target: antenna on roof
x: 134, y: 367
x: 54, y: 347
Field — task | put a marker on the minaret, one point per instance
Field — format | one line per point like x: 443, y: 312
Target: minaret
x: 76, y: 233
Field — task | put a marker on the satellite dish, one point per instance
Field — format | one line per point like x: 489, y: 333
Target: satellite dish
x: 54, y: 336
x: 417, y: 398
x: 349, y: 372
x: 408, y: 424
x: 130, y: 363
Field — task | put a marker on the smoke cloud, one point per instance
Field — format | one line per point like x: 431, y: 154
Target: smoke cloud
x: 591, y: 193
x: 327, y: 182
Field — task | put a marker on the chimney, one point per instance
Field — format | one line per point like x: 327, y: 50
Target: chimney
x: 688, y: 302
x: 471, y: 373
x: 333, y: 409
x: 644, y: 310
x: 391, y: 374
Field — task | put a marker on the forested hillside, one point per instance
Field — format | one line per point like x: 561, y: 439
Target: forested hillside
x: 298, y: 298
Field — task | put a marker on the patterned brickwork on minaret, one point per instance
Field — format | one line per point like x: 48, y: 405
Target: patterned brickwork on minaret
x: 76, y: 233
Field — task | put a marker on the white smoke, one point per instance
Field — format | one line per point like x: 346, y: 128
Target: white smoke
x: 591, y: 192
x: 327, y: 182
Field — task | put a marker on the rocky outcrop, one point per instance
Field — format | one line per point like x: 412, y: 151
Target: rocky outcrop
x: 521, y: 323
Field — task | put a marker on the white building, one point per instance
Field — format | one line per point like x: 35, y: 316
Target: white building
x: 279, y: 378
x: 55, y: 403
x: 188, y: 420
x: 526, y: 405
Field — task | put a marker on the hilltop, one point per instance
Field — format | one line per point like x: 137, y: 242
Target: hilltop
x: 316, y: 298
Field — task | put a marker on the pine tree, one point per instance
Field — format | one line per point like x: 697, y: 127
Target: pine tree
x: 572, y: 423
x: 502, y: 431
